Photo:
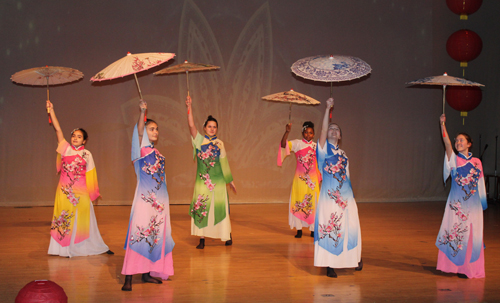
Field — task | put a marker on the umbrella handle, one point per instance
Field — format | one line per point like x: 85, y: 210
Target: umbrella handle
x: 187, y: 81
x: 444, y: 100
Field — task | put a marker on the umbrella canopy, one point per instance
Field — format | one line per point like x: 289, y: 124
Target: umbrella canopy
x: 132, y: 64
x: 444, y: 80
x: 291, y: 97
x: 186, y: 67
x: 331, y: 68
x: 46, y: 76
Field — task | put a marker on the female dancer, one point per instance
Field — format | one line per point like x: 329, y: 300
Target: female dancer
x: 74, y: 230
x: 337, y: 241
x: 209, y: 208
x: 149, y: 242
x: 306, y: 182
x: 460, y: 238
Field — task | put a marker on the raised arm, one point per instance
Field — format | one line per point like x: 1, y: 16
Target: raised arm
x: 324, y: 126
x: 446, y: 138
x: 285, y: 135
x: 140, y: 124
x: 55, y: 122
x: 192, y: 127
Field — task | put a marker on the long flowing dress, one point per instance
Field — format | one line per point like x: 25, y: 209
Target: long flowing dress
x: 209, y: 208
x: 306, y: 183
x: 460, y: 238
x: 337, y: 240
x: 149, y: 243
x: 74, y: 230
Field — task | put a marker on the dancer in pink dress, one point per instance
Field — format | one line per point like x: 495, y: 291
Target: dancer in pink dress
x: 149, y: 242
x: 460, y: 238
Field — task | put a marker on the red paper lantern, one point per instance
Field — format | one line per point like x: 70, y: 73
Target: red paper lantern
x: 39, y: 291
x: 463, y: 98
x: 464, y: 45
x: 464, y: 7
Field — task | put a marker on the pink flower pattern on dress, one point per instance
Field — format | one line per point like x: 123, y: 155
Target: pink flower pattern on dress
x: 305, y: 206
x: 151, y: 198
x: 332, y: 230
x: 454, y: 238
x: 337, y: 198
x: 73, y: 171
x: 62, y: 224
x: 307, y: 161
x: 200, y: 207
x: 149, y: 234
x: 469, y: 182
x: 156, y: 170
x: 208, y: 158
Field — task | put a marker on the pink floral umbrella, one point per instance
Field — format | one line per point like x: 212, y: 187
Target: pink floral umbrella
x: 132, y: 64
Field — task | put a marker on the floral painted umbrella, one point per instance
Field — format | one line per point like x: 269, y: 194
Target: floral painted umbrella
x: 132, y: 64
x: 444, y: 80
x: 291, y: 97
x: 331, y: 68
x: 46, y: 76
x: 186, y: 67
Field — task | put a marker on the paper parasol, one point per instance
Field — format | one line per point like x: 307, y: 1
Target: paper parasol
x: 444, y: 80
x: 46, y: 76
x: 291, y: 97
x: 186, y: 67
x: 132, y: 64
x: 331, y: 68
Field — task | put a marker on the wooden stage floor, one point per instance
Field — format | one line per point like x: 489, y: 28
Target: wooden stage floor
x: 265, y: 264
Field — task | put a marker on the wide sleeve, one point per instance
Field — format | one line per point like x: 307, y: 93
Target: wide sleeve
x: 449, y: 165
x: 61, y: 150
x: 283, y: 152
x: 91, y: 178
x: 224, y: 164
x: 481, y: 187
x: 320, y: 156
x: 136, y: 148
x: 197, y: 141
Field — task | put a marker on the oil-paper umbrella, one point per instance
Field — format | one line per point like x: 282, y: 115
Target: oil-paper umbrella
x: 132, y: 64
x: 291, y: 97
x: 186, y: 67
x: 331, y: 68
x: 444, y: 80
x: 46, y: 76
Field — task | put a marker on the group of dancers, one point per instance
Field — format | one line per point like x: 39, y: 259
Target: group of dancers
x: 321, y: 199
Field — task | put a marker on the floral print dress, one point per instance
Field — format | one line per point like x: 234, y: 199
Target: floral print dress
x: 306, y: 183
x: 460, y: 238
x: 74, y: 230
x: 337, y: 240
x: 149, y: 242
x: 209, y: 208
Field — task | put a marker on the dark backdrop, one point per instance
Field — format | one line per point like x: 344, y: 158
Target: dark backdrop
x: 390, y: 131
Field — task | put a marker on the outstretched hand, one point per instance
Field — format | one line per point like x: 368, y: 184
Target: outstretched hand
x: 329, y: 103
x: 288, y: 127
x: 143, y: 105
x: 49, y: 105
x: 442, y: 119
x: 188, y: 101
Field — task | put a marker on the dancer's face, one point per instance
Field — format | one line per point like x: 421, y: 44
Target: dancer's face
x: 308, y: 134
x: 152, y: 130
x: 211, y: 128
x: 77, y: 138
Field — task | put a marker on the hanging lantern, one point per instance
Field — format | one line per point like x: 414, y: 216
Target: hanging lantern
x: 464, y: 46
x: 464, y: 7
x: 463, y: 98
